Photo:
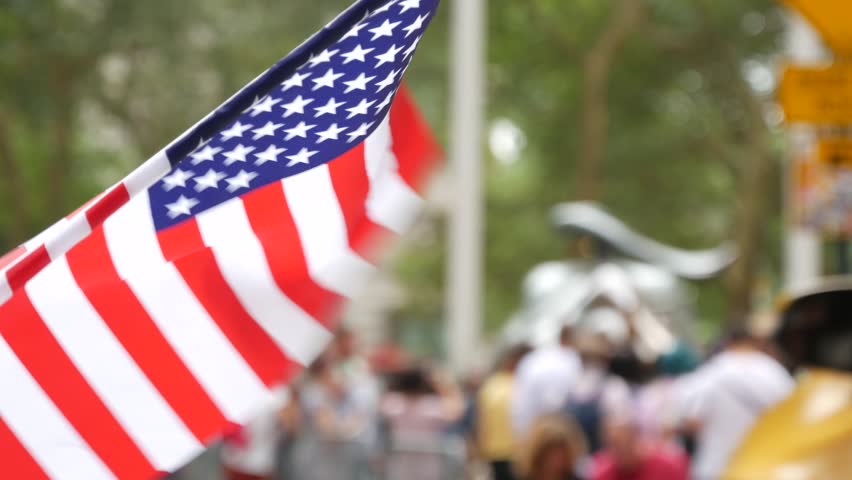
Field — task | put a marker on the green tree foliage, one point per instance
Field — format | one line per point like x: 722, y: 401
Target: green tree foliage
x: 689, y: 153
x: 644, y: 102
x: 93, y: 87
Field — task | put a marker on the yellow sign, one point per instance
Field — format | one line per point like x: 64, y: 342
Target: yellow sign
x: 835, y: 153
x: 832, y: 18
x: 817, y: 95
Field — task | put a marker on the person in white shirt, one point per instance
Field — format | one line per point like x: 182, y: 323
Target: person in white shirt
x: 724, y: 397
x: 543, y: 382
x: 250, y: 453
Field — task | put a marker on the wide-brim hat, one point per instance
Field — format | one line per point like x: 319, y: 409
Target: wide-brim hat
x: 814, y: 321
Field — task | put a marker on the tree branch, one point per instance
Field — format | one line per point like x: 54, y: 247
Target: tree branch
x: 595, y: 112
x: 63, y: 128
x: 755, y: 186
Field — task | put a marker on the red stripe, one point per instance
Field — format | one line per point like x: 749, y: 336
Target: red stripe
x: 273, y: 224
x: 415, y: 148
x: 42, y: 355
x: 17, y: 461
x: 11, y: 256
x: 107, y: 205
x: 182, y: 244
x: 24, y: 270
x: 128, y: 320
x: 349, y: 178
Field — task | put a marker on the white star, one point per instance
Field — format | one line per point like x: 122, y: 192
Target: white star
x: 359, y: 83
x: 176, y: 179
x: 296, y: 106
x: 385, y: 102
x: 416, y: 25
x: 411, y: 47
x: 384, y: 30
x: 356, y: 53
x: 388, y: 81
x: 267, y: 130
x: 240, y: 180
x: 389, y: 56
x: 330, y: 134
x: 201, y: 143
x: 408, y: 5
x: 383, y: 8
x: 238, y: 154
x: 326, y: 80
x: 323, y: 57
x: 294, y: 81
x: 303, y: 156
x: 237, y: 130
x: 208, y: 180
x: 269, y: 155
x: 264, y: 105
x: 330, y: 107
x: 300, y: 130
x: 360, y: 109
x: 206, y: 154
x: 182, y: 206
x: 359, y: 132
x: 354, y: 31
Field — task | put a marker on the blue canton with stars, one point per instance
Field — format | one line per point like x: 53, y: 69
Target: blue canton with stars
x: 330, y: 104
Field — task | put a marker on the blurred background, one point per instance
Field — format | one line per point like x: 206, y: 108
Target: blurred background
x: 661, y: 111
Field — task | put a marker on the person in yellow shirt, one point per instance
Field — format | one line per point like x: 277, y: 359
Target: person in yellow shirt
x: 495, y: 436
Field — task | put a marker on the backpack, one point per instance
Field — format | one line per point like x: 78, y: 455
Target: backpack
x: 588, y: 414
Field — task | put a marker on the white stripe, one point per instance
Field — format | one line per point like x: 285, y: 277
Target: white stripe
x: 322, y: 229
x: 391, y: 202
x: 47, y: 235
x: 75, y: 230
x: 5, y: 288
x: 41, y: 427
x: 147, y: 174
x: 187, y: 326
x: 108, y: 368
x: 240, y: 257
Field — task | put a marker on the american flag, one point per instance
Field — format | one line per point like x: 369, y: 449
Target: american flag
x: 138, y: 329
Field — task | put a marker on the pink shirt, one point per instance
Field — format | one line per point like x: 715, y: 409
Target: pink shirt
x: 661, y: 463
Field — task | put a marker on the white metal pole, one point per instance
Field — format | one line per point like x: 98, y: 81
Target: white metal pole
x: 802, y: 247
x: 464, y: 267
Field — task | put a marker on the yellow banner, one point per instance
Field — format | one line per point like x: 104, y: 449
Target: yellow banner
x: 835, y: 153
x: 817, y: 95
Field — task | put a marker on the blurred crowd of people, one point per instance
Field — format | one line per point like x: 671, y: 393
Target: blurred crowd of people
x: 586, y: 407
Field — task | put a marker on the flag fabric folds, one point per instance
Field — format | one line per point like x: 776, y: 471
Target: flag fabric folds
x: 138, y: 329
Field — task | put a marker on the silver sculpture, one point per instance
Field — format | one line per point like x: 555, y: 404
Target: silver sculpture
x: 632, y: 276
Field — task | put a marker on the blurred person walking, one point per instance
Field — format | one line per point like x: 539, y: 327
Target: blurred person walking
x: 543, y: 381
x: 629, y: 455
x: 361, y: 391
x: 552, y: 450
x: 324, y: 449
x: 597, y: 393
x: 724, y: 397
x: 250, y: 453
x: 657, y: 402
x: 495, y: 439
x: 416, y: 413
